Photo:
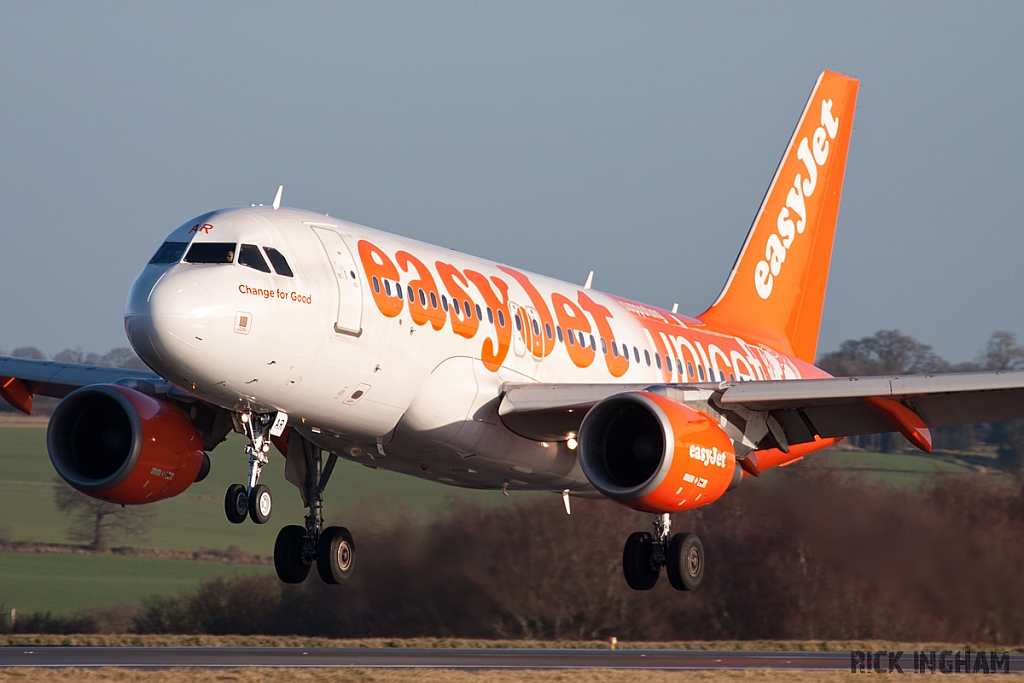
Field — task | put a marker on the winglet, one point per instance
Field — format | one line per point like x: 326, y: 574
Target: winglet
x: 277, y: 199
x: 776, y: 289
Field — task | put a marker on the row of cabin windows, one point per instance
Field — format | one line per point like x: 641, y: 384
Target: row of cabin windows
x: 585, y: 341
x: 249, y: 255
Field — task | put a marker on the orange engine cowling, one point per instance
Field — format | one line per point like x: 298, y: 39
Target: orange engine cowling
x: 119, y: 445
x: 653, y: 454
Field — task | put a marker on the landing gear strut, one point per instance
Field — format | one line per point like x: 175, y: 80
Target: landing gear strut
x: 253, y: 499
x: 645, y: 554
x: 297, y: 547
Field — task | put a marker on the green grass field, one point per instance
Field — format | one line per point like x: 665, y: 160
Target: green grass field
x: 357, y: 496
x: 40, y: 582
x: 196, y: 519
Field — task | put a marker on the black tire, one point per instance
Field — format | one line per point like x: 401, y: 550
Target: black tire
x: 685, y: 562
x: 335, y: 555
x: 261, y: 504
x: 640, y: 572
x: 204, y: 469
x: 288, y: 554
x: 236, y: 504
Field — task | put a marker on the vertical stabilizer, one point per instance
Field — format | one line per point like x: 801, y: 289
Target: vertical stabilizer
x: 776, y: 289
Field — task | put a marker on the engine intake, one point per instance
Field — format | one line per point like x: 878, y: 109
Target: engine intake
x: 119, y: 445
x: 656, y: 455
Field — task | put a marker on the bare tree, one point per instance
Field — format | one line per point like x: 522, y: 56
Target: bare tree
x: 99, y: 523
x: 28, y: 352
x: 887, y: 352
x: 1003, y: 352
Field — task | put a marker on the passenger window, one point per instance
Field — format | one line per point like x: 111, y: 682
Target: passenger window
x: 169, y: 252
x: 583, y: 341
x: 387, y: 286
x: 547, y: 329
x: 571, y: 336
x: 376, y: 283
x: 412, y: 295
x: 732, y: 377
x: 657, y: 361
x: 647, y: 357
x: 211, y: 252
x: 469, y: 311
x: 604, y: 346
x: 700, y: 371
x: 398, y: 290
x: 536, y: 328
x: 423, y: 298
x: 593, y: 344
x: 249, y: 255
x: 668, y: 363
x: 679, y: 367
x: 444, y: 303
x: 615, y: 349
x: 433, y: 300
x: 457, y: 306
x: 636, y: 354
x: 281, y: 266
x: 479, y: 313
x: 559, y: 331
x: 519, y: 323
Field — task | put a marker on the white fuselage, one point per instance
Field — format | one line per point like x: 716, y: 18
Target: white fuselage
x: 400, y: 383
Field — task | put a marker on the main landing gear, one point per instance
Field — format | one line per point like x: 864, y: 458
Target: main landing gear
x: 645, y: 554
x: 297, y: 547
x: 252, y: 499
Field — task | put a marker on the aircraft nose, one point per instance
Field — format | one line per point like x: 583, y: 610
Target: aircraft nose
x: 166, y: 319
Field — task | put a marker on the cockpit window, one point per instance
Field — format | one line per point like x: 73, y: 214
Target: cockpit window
x: 249, y: 255
x: 211, y: 252
x: 280, y: 264
x: 169, y: 252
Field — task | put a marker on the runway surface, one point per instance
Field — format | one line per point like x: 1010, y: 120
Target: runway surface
x: 438, y: 658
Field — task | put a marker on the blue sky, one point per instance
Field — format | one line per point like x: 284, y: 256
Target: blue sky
x: 634, y: 139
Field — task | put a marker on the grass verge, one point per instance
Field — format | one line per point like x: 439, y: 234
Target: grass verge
x: 132, y: 640
x: 253, y: 675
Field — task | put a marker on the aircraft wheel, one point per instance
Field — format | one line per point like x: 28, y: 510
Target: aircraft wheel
x: 640, y: 572
x: 685, y: 562
x: 260, y: 504
x: 288, y: 554
x: 236, y: 504
x: 335, y: 555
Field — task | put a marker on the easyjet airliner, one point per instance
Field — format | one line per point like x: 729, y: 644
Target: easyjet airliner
x: 331, y: 340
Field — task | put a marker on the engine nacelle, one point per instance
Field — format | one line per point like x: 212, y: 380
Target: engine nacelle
x: 653, y: 454
x: 119, y: 445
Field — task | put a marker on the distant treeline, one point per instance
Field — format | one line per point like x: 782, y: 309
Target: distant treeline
x: 802, y: 553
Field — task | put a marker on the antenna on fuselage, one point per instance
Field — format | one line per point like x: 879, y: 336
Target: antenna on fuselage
x: 277, y: 199
x: 590, y: 280
x: 675, y: 308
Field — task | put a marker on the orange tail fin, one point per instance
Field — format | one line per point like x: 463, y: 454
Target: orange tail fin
x: 776, y: 289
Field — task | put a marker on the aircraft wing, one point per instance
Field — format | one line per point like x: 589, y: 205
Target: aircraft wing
x: 802, y: 409
x: 21, y: 378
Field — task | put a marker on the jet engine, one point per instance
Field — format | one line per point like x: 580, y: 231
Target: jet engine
x: 654, y: 454
x: 122, y: 446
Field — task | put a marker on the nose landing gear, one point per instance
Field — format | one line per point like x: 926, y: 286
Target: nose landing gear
x: 298, y: 547
x: 253, y: 499
x: 645, y: 554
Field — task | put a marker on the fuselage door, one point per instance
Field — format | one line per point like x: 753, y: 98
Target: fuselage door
x: 350, y: 296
